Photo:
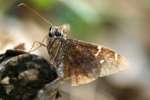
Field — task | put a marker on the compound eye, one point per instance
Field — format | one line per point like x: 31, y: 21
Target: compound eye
x: 50, y: 34
x: 50, y: 28
x: 57, y: 33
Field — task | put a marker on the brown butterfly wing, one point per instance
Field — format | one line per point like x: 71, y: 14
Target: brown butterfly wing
x: 85, y: 62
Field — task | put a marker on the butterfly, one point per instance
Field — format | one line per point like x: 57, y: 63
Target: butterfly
x: 79, y: 61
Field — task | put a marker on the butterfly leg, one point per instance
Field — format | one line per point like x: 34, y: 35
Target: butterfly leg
x: 54, y: 50
x: 41, y: 44
x: 33, y: 45
x: 57, y: 51
x: 50, y: 48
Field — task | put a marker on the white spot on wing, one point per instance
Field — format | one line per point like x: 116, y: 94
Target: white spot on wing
x: 116, y: 56
x: 101, y: 61
x: 99, y: 50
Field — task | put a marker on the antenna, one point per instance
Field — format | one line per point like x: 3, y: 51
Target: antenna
x: 34, y: 11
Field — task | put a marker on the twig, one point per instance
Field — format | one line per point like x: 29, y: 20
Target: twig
x: 25, y: 76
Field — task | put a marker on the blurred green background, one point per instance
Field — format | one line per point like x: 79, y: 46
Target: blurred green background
x: 123, y: 25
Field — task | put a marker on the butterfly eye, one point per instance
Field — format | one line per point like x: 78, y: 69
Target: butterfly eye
x: 50, y: 28
x: 50, y: 34
x: 57, y: 33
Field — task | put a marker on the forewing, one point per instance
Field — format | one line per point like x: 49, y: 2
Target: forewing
x: 85, y: 62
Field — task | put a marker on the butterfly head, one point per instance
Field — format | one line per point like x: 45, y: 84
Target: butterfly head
x: 55, y: 32
x: 58, y: 31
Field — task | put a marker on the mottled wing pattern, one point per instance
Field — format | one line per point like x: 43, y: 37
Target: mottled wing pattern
x: 85, y: 62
